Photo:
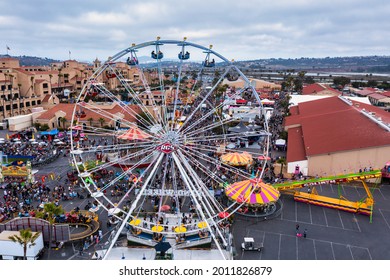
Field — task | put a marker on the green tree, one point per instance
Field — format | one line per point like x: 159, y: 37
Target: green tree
x: 51, y: 211
x: 143, y: 120
x: 50, y: 77
x: 26, y: 238
x: 341, y: 81
x: 372, y: 83
x: 282, y: 161
x: 102, y: 121
x: 90, y: 120
x: 37, y: 125
x: 63, y: 120
x: 32, y: 84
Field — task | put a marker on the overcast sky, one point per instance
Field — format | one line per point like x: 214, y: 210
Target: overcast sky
x: 240, y: 29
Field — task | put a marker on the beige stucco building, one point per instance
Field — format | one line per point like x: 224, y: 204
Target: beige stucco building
x: 333, y: 136
x: 25, y: 87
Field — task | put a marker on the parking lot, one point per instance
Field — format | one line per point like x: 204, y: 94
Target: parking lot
x: 331, y: 234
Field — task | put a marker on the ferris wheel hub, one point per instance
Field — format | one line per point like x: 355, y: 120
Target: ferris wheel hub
x: 172, y: 137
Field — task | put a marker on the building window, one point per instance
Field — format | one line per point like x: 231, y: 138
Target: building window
x: 28, y: 104
x: 33, y: 103
x: 39, y: 102
x: 15, y: 106
x: 7, y: 107
x: 45, y: 85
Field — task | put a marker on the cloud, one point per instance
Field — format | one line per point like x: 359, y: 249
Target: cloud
x: 239, y: 29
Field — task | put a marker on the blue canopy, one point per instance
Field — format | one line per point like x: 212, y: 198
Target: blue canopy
x: 51, y: 132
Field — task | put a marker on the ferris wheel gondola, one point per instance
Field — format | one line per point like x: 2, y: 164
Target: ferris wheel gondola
x: 167, y: 140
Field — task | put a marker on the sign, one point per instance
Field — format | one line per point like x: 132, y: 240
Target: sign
x: 171, y: 192
x: 166, y: 148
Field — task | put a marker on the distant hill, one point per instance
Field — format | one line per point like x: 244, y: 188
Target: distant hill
x: 348, y: 64
x: 33, y: 60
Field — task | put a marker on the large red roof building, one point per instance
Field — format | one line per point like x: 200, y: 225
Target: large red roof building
x: 54, y: 115
x: 334, y: 135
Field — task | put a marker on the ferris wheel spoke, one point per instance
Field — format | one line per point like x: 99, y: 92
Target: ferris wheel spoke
x: 200, y: 153
x: 121, y: 160
x: 133, y: 205
x: 117, y: 147
x: 199, y: 203
x: 205, y: 98
x: 113, y: 117
x: 151, y: 97
x: 194, y: 176
x: 138, y: 180
x: 208, y: 128
x: 127, y: 109
x: 197, y: 199
x: 216, y: 207
x: 175, y: 100
x: 127, y: 172
x: 203, y: 118
x: 205, y: 169
x: 135, y: 96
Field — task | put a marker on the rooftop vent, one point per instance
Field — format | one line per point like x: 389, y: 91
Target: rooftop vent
x: 345, y: 100
x: 378, y: 121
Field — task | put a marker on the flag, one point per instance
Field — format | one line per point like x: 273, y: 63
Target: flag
x: 8, y: 49
x: 70, y: 53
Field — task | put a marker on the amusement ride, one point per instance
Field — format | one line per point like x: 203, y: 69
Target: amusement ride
x: 168, y: 146
x: 182, y: 166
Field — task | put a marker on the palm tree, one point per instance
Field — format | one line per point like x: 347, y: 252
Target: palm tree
x: 19, y: 86
x: 50, y: 77
x: 32, y: 84
x: 11, y: 78
x: 63, y: 120
x: 26, y: 238
x: 90, y: 121
x: 51, y: 210
x: 282, y: 161
x: 102, y: 121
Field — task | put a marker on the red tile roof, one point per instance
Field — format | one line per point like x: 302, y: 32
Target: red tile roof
x: 68, y: 110
x: 377, y: 96
x: 24, y: 71
x: 386, y: 93
x: 295, y: 140
x: 318, y: 88
x: 329, y: 125
x: 46, y: 98
x: 365, y: 92
x: 312, y: 88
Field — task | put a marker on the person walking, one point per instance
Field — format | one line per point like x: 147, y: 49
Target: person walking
x: 305, y: 233
x: 297, y: 228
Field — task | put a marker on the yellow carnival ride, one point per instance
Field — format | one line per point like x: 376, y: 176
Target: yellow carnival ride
x: 363, y: 206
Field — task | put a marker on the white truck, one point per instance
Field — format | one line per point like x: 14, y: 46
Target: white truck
x: 10, y: 250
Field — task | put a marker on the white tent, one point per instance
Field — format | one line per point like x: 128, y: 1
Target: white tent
x: 280, y: 142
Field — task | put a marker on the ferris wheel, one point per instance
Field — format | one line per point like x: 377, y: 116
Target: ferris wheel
x: 163, y: 139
